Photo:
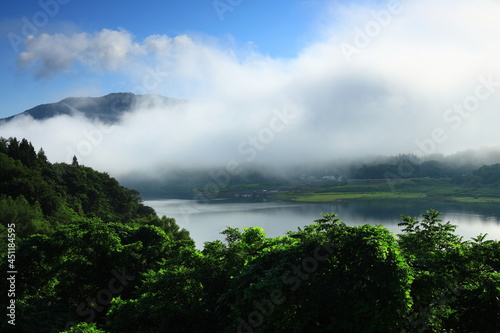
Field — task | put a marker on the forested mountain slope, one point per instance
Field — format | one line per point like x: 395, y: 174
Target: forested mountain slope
x: 88, y: 256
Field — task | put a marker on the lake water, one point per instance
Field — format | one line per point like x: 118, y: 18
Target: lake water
x: 206, y: 221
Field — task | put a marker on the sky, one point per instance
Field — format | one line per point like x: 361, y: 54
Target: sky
x: 277, y: 29
x: 268, y: 82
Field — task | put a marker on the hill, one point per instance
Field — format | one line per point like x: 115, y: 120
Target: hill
x: 108, y: 109
x: 39, y: 196
x: 83, y: 250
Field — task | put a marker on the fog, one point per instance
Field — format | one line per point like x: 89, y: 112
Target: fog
x: 421, y: 77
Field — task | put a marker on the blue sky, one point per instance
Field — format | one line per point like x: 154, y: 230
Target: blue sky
x: 276, y: 28
x: 362, y: 77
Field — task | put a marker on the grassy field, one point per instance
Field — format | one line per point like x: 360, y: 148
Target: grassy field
x: 480, y: 199
x: 441, y: 189
x: 327, y: 197
x: 438, y: 189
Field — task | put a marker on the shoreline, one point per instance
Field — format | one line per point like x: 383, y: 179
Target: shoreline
x: 365, y: 196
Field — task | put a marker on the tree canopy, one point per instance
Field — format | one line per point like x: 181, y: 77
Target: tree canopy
x: 93, y: 258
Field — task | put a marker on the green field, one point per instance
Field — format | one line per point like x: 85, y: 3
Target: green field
x: 442, y: 189
x: 327, y: 197
x: 435, y: 188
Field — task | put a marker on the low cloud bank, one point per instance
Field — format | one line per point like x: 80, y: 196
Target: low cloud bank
x: 410, y: 77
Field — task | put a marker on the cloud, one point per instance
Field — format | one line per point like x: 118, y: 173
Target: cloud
x: 51, y: 54
x: 422, y: 78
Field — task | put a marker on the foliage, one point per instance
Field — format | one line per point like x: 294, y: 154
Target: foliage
x: 82, y: 261
x: 428, y: 236
x: 60, y: 192
x: 29, y: 218
x: 408, y: 166
x: 76, y: 230
x: 95, y: 259
x: 487, y: 175
x: 456, y: 287
x: 326, y: 277
x: 84, y: 328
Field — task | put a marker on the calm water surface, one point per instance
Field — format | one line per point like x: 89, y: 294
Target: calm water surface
x: 206, y: 221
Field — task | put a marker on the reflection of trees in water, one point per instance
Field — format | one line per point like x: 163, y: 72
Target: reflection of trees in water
x: 389, y: 210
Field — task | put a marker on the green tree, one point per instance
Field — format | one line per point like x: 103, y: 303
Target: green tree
x: 84, y: 328
x: 64, y: 272
x: 326, y: 277
x: 456, y: 286
x: 28, y: 219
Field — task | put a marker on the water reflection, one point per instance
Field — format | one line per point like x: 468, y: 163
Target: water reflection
x: 206, y: 221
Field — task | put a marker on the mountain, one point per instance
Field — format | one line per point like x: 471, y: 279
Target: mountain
x: 108, y: 109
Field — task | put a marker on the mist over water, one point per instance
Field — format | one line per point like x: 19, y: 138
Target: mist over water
x: 237, y: 114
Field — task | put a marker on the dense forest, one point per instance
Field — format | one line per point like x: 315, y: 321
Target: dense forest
x: 91, y: 257
x: 460, y: 170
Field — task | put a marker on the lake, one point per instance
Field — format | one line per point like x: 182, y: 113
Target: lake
x: 205, y: 221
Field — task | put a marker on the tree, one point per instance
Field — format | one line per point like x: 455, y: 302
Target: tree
x: 66, y: 277
x: 84, y: 328
x: 28, y: 219
x: 41, y: 156
x: 427, y: 236
x: 361, y: 269
x: 457, y: 285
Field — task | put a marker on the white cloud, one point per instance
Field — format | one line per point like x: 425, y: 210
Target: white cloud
x: 389, y: 98
x: 51, y: 54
